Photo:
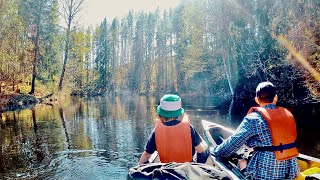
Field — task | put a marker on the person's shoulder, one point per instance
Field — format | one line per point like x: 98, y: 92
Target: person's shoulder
x: 252, y: 116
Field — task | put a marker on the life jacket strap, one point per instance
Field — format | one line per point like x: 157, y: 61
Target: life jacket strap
x: 280, y: 148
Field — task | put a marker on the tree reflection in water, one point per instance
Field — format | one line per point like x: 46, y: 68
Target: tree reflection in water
x: 89, y: 138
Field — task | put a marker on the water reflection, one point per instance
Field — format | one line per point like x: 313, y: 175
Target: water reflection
x: 77, y: 138
x: 87, y: 138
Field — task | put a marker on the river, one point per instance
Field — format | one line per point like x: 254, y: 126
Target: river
x: 98, y: 138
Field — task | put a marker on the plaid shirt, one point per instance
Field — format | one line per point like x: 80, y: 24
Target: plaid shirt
x: 254, y: 131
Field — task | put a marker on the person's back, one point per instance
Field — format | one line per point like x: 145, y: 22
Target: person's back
x: 173, y: 140
x: 270, y: 130
x: 264, y: 164
x: 173, y: 137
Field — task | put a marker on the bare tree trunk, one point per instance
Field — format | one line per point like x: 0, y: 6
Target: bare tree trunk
x: 227, y: 70
x: 36, y: 50
x: 165, y: 60
x: 65, y: 59
x: 34, y: 64
x: 226, y: 58
x: 70, y: 9
x: 171, y: 64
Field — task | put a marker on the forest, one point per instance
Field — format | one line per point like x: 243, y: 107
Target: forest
x: 201, y: 47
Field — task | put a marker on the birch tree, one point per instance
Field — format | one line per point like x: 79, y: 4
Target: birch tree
x: 69, y: 10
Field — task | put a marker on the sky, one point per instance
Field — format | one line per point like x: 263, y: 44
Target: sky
x: 94, y: 11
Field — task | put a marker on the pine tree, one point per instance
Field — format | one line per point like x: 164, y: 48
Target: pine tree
x: 41, y: 21
x: 102, y: 57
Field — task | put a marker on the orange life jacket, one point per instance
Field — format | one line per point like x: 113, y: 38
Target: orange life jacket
x: 174, y: 143
x: 283, y: 132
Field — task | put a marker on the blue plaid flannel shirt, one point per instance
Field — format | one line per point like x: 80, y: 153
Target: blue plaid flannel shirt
x: 254, y: 131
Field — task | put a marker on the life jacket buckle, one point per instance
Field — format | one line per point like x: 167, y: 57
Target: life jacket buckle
x: 281, y: 147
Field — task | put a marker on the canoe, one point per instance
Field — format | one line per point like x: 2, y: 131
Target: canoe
x: 154, y: 169
x: 218, y: 166
x: 215, y: 134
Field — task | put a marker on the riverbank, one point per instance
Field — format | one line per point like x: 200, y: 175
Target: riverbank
x: 14, y: 101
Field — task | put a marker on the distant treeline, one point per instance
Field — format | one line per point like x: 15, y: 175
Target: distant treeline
x: 217, y: 47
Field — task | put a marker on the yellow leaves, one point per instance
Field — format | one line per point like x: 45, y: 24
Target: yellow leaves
x: 193, y: 17
x: 193, y: 23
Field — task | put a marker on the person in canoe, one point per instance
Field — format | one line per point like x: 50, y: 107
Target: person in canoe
x: 175, y: 139
x: 271, y: 131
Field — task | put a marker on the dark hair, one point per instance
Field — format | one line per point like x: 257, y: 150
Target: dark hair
x: 167, y: 118
x: 266, y: 92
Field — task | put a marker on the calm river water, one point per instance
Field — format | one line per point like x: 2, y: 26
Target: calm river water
x: 97, y: 138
